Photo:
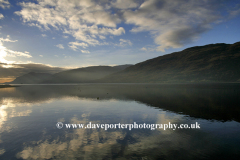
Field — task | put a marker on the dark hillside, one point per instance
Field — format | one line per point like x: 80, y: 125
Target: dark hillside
x: 210, y: 63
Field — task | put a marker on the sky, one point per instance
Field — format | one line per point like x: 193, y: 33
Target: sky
x: 53, y: 35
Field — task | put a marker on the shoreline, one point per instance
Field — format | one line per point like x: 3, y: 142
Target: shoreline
x: 6, y: 86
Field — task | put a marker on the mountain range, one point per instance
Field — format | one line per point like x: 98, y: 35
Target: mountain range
x: 79, y: 75
x: 210, y: 63
x: 31, y: 78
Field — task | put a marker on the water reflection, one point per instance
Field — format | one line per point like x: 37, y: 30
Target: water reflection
x: 216, y: 102
x: 29, y: 114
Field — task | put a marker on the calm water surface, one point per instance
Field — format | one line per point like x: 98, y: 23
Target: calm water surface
x: 29, y: 113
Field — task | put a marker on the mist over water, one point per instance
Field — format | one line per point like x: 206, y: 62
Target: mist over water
x: 29, y: 113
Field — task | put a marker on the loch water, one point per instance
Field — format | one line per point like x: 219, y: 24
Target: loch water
x: 29, y: 114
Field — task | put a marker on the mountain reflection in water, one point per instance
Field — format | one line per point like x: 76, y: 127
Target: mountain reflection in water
x: 29, y: 114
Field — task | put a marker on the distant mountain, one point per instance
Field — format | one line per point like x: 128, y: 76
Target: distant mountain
x: 84, y: 75
x: 80, y: 75
x: 209, y: 63
x: 31, y: 78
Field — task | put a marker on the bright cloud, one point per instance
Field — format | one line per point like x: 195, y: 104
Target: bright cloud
x: 4, y: 4
x: 60, y: 46
x: 4, y: 52
x: 143, y: 49
x: 74, y: 45
x: 85, y: 51
x: 1, y: 16
x: 172, y: 23
x: 124, y: 4
x: 85, y: 20
x: 124, y: 42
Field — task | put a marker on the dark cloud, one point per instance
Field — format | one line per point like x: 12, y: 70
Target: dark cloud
x: 176, y: 23
x: 172, y: 23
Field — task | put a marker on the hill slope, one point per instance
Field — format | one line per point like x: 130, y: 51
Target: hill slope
x: 84, y: 75
x: 31, y: 78
x: 210, y: 63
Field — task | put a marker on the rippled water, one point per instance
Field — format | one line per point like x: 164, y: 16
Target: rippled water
x: 29, y: 113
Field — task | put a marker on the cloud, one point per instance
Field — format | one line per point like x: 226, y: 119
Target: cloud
x: 102, y: 37
x: 4, y: 4
x: 2, y: 151
x: 143, y: 49
x: 4, y: 52
x: 12, y: 53
x: 7, y: 39
x: 74, y: 45
x: 124, y: 42
x: 43, y: 35
x: 85, y: 51
x: 1, y: 16
x: 40, y: 55
x: 60, y: 46
x: 173, y: 23
x: 124, y: 4
x: 149, y: 48
x: 85, y: 20
x: 234, y: 12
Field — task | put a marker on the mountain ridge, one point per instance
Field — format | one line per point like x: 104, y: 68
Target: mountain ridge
x: 210, y: 63
x: 31, y: 78
x: 78, y: 75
